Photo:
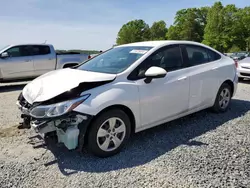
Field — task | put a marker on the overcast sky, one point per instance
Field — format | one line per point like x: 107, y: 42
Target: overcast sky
x: 82, y: 24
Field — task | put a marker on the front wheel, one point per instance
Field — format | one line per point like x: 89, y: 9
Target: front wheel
x: 109, y: 133
x: 223, y: 98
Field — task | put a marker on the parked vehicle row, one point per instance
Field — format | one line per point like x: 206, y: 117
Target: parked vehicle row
x: 127, y: 89
x: 32, y: 60
x: 239, y: 55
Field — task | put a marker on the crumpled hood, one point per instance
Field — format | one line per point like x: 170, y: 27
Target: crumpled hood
x: 57, y: 82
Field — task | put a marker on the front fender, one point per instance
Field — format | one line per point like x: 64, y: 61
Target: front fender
x: 125, y: 94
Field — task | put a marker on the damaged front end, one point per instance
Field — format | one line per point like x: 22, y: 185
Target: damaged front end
x: 59, y: 118
x: 47, y: 103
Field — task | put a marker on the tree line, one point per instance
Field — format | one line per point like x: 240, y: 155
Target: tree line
x: 225, y: 28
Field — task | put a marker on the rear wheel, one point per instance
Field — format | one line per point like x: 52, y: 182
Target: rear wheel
x: 223, y: 98
x: 109, y: 133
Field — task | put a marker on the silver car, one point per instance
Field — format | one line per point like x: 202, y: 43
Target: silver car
x: 243, y: 68
x: 32, y: 60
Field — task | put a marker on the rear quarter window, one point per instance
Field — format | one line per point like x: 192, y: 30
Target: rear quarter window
x: 213, y: 56
x: 196, y: 55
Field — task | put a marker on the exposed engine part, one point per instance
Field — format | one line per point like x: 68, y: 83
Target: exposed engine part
x: 43, y: 127
x: 66, y: 129
x: 68, y: 137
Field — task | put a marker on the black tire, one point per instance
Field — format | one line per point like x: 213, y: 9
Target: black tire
x: 92, y: 144
x: 216, y: 107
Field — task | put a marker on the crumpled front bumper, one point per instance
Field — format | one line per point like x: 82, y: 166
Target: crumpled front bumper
x: 69, y: 128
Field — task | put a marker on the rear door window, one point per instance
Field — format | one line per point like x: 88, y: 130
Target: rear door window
x: 40, y: 50
x: 196, y: 55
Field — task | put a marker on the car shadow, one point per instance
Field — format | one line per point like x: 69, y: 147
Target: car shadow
x: 12, y: 87
x: 148, y: 145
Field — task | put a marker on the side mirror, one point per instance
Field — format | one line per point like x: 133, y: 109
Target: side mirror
x: 4, y: 55
x: 154, y: 72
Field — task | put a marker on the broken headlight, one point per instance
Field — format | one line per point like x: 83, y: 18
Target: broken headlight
x: 57, y: 109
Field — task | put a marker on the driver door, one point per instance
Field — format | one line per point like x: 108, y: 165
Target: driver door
x: 163, y: 98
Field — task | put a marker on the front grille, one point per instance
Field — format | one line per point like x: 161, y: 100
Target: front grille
x: 245, y: 74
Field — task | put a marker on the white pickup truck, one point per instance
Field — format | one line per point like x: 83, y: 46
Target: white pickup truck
x: 32, y: 60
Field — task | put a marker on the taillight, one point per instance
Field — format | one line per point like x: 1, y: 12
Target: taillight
x: 236, y: 63
x: 89, y: 57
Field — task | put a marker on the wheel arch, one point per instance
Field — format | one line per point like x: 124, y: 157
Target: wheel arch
x: 124, y: 108
x: 231, y: 84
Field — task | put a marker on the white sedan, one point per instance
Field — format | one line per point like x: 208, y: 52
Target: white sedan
x: 244, y: 68
x: 127, y: 89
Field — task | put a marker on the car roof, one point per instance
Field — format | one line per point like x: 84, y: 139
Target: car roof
x: 159, y: 43
x: 30, y: 44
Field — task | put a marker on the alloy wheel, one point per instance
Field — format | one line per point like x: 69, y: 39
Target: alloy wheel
x: 111, y: 134
x: 224, y: 98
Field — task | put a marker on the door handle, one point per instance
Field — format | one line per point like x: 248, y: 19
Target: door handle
x: 28, y: 60
x: 214, y: 68
x: 182, y: 78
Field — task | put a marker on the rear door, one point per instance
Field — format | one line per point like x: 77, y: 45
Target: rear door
x: 19, y: 64
x: 44, y: 59
x: 203, y: 75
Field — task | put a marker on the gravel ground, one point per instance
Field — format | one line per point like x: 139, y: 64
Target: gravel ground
x: 201, y: 150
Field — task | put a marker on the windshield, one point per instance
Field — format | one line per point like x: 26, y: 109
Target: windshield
x: 3, y: 48
x: 115, y: 60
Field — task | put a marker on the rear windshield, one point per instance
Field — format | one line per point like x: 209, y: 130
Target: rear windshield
x: 115, y: 60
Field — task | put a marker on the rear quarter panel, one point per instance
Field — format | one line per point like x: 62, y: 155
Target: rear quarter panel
x: 226, y: 71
